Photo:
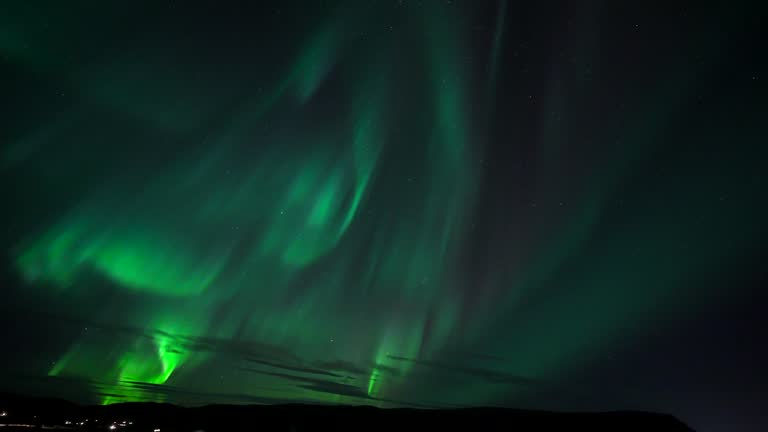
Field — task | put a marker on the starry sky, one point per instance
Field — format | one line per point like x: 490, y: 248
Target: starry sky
x: 553, y: 205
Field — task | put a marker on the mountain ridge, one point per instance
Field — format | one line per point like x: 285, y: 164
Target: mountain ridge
x: 150, y: 416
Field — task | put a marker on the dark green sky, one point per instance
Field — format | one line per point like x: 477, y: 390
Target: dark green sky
x: 430, y: 203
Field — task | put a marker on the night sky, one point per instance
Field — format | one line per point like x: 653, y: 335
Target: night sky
x: 395, y: 203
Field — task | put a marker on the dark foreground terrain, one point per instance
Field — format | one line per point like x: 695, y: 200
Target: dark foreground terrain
x: 27, y: 414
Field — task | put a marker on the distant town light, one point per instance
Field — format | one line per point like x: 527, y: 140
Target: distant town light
x: 112, y: 427
x: 157, y: 430
x: 3, y: 414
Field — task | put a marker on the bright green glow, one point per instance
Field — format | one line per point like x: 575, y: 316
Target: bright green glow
x: 154, y: 269
x: 142, y: 360
x: 372, y: 381
x: 136, y: 260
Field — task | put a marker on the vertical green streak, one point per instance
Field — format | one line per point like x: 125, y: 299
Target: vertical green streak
x: 493, y: 69
x: 372, y: 381
x: 399, y: 340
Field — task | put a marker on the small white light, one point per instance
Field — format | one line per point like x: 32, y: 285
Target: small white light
x: 157, y: 430
x: 3, y: 414
x: 112, y: 427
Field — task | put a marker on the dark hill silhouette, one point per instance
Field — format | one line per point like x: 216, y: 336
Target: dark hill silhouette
x: 44, y: 412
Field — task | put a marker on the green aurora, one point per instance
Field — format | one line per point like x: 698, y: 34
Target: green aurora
x: 305, y: 227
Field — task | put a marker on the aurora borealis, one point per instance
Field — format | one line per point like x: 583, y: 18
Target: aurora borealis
x: 394, y: 203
